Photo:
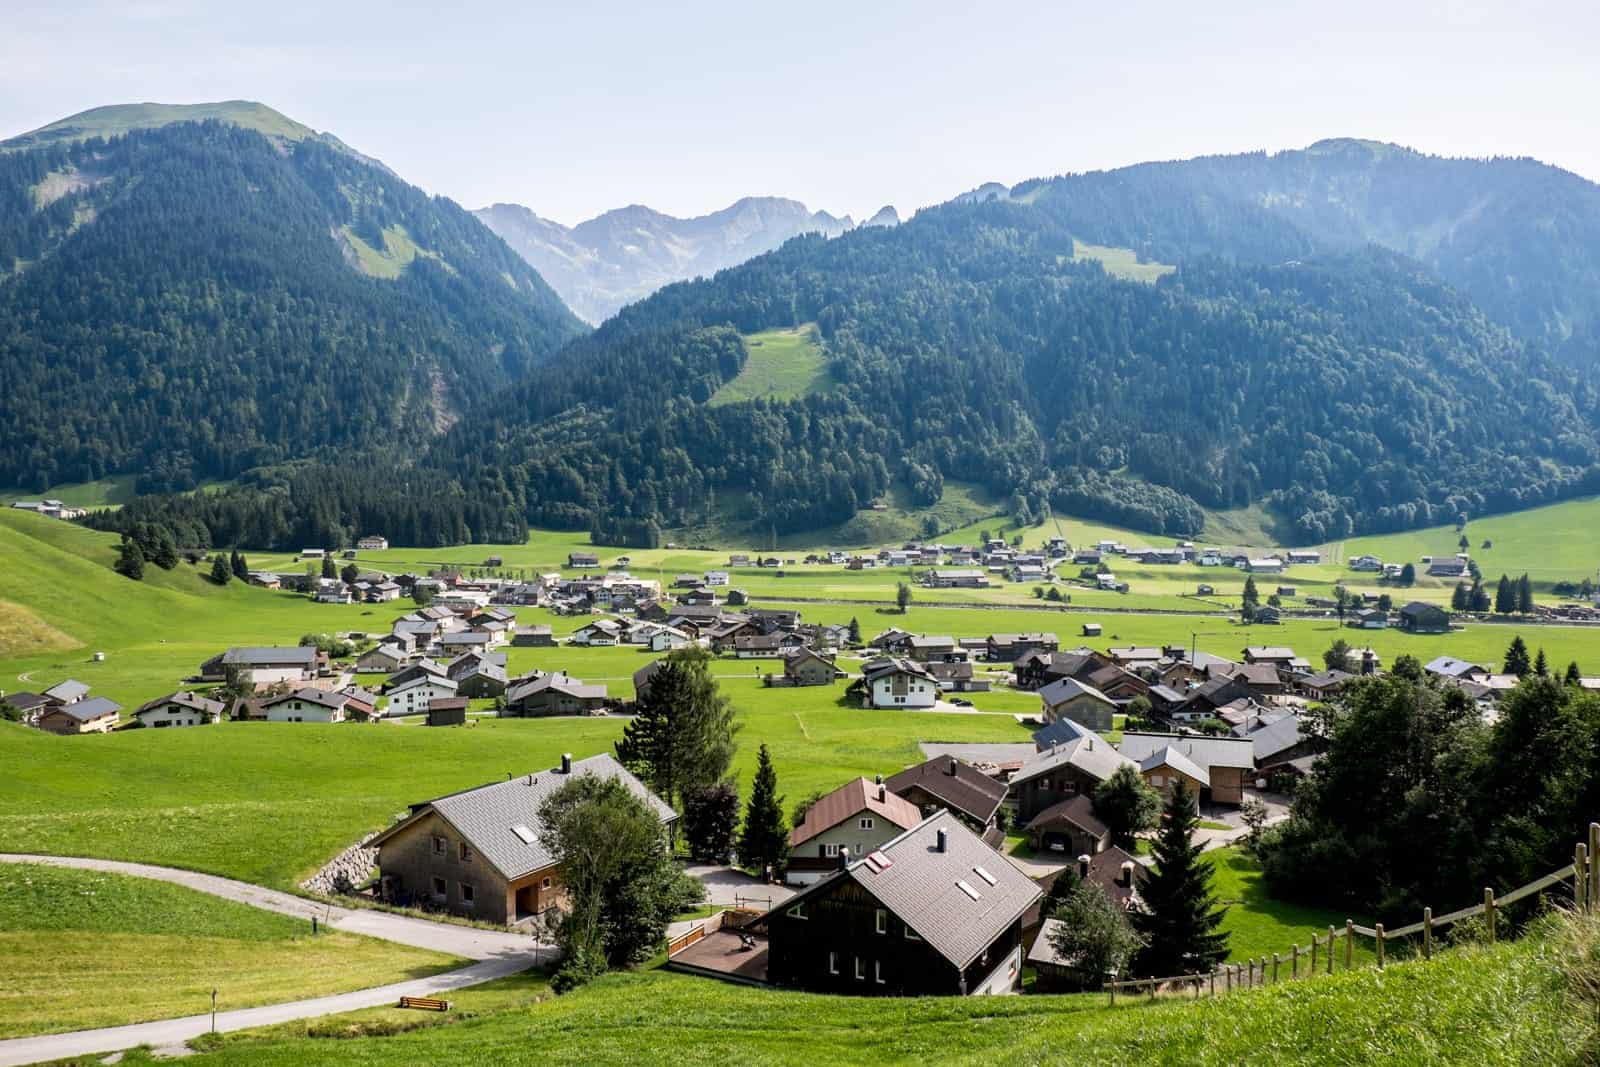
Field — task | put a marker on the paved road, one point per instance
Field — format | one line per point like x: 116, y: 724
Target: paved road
x: 170, y: 1032
x: 498, y: 954
x: 466, y: 941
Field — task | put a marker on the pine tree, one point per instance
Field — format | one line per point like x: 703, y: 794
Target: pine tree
x: 241, y: 569
x: 764, y: 838
x: 1458, y: 598
x: 1505, y: 597
x: 1408, y: 574
x: 1517, y: 661
x: 855, y: 631
x: 1525, y: 595
x: 130, y: 559
x: 1541, y: 666
x: 329, y: 568
x: 1574, y: 675
x: 681, y: 737
x: 221, y: 573
x: 1180, y: 917
x: 1250, y: 600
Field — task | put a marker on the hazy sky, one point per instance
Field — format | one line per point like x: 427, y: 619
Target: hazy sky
x: 687, y: 105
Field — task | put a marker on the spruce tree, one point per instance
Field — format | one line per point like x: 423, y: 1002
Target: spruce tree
x: 329, y: 568
x: 1541, y: 666
x: 1525, y: 595
x: 855, y: 631
x: 1250, y: 600
x: 764, y: 838
x: 1505, y: 597
x: 1458, y: 598
x: 130, y: 559
x: 1517, y: 661
x: 221, y: 573
x: 1574, y: 675
x: 1180, y: 918
x: 241, y: 569
x: 681, y: 737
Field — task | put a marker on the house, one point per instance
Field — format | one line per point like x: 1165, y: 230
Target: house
x: 894, y: 682
x: 598, y: 634
x: 1069, y: 826
x: 1324, y: 684
x: 853, y: 820
x: 1064, y: 770
x: 477, y: 676
x: 423, y: 668
x: 535, y: 636
x: 893, y: 641
x: 1450, y: 667
x: 643, y: 677
x: 306, y: 705
x: 946, y: 782
x: 382, y: 593
x: 179, y: 709
x: 802, y: 666
x: 385, y: 659
x: 363, y: 704
x: 1092, y: 629
x: 957, y: 677
x: 69, y: 691
x: 334, y: 592
x: 667, y: 638
x: 447, y: 711
x: 1216, y: 768
x: 956, y: 578
x: 1277, y: 656
x: 412, y: 696
x: 264, y: 580
x: 555, y: 694
x: 31, y: 705
x: 1281, y: 740
x: 263, y: 666
x: 582, y: 559
x: 1088, y: 557
x: 91, y: 715
x: 1420, y: 618
x: 934, y: 911
x: 758, y: 646
x: 1448, y: 567
x: 716, y: 578
x: 480, y: 852
x: 1008, y: 648
x: 465, y: 641
x: 1068, y: 698
x: 1267, y: 565
x: 937, y: 649
x: 312, y: 553
x: 1303, y: 555
x: 373, y: 543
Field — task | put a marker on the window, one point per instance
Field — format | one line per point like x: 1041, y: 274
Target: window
x: 866, y: 824
x: 833, y: 963
x: 881, y: 921
x: 439, y: 888
x: 877, y: 971
x: 545, y: 884
x: 466, y: 892
x: 830, y: 850
x: 466, y: 852
x: 798, y: 911
x: 861, y: 969
x: 439, y: 845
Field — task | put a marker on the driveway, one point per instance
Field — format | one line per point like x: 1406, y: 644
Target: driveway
x: 729, y: 887
x: 456, y: 940
x: 499, y: 953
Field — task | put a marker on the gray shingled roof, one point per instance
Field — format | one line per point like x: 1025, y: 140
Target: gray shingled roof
x: 1093, y: 755
x: 312, y: 696
x: 1170, y: 757
x: 259, y: 654
x: 1206, y: 752
x: 90, y: 708
x: 67, y: 691
x: 1064, y: 689
x: 919, y: 885
x: 485, y: 816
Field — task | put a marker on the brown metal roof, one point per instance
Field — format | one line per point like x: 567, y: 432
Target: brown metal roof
x: 959, y: 785
x: 849, y: 800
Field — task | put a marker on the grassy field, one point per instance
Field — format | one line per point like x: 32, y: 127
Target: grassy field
x: 1120, y: 262
x: 1258, y: 925
x: 1491, y: 1006
x: 86, y: 949
x: 780, y: 364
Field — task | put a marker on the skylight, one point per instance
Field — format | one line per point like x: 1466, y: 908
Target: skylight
x: 963, y: 885
x: 524, y: 834
x: 985, y: 875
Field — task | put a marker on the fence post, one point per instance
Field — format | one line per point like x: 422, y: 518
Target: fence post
x: 1276, y: 960
x: 1349, y: 943
x: 1112, y: 985
x: 1312, y: 970
x: 1294, y: 961
x: 1489, y: 910
x: 1378, y: 927
x: 1427, y: 933
x: 1213, y: 983
x: 1330, y: 948
x: 1594, y: 862
x: 1580, y: 877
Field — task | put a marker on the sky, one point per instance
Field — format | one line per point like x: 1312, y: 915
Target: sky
x: 572, y: 109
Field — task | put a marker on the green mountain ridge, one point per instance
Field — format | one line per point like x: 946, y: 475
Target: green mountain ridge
x: 193, y: 299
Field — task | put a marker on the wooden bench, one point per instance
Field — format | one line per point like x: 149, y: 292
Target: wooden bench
x: 425, y: 1003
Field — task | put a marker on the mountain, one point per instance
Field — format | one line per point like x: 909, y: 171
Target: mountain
x: 1520, y: 237
x: 884, y: 216
x: 1019, y: 344
x: 191, y: 299
x: 624, y: 255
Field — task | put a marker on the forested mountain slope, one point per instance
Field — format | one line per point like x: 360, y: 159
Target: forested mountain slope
x: 1520, y: 237
x: 1348, y: 390
x: 195, y: 299
x: 625, y: 255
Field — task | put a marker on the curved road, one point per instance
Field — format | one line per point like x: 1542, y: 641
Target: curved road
x: 498, y: 954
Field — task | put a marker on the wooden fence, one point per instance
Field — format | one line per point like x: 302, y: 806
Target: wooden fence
x: 1583, y: 872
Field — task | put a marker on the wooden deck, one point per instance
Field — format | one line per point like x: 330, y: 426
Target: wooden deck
x: 721, y: 954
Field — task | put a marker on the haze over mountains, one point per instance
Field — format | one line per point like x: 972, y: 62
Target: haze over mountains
x: 1352, y: 336
x: 623, y: 256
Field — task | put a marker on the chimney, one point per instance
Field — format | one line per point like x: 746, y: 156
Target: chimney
x: 566, y: 763
x: 952, y: 771
x: 883, y: 790
x: 1126, y: 878
x: 1083, y: 866
x: 844, y: 856
x: 942, y: 840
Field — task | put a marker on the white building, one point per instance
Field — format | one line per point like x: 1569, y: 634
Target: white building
x: 413, y: 697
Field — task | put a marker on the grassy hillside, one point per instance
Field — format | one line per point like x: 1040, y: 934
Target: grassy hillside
x: 1493, y: 1006
x: 115, y: 119
x: 782, y: 365
x: 1121, y: 262
x: 86, y: 949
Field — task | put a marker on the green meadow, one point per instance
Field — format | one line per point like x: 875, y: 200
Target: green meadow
x: 86, y: 949
x: 780, y: 365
